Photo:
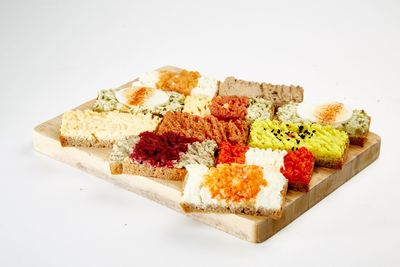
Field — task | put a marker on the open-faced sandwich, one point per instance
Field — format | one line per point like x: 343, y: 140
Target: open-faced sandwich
x: 235, y: 188
x: 161, y: 156
x: 229, y: 107
x: 297, y: 166
x: 180, y: 81
x: 138, y: 100
x: 278, y: 94
x: 87, y: 128
x: 327, y: 144
x: 204, y: 128
x: 355, y: 123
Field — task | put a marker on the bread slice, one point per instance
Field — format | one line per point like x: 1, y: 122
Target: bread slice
x: 85, y: 141
x: 360, y: 139
x: 121, y: 161
x: 243, y: 210
x: 235, y: 87
x: 204, y: 128
x: 333, y: 163
x: 282, y: 94
x: 176, y: 174
x: 197, y: 197
x: 87, y: 128
x: 355, y: 127
x: 328, y: 145
x: 278, y: 94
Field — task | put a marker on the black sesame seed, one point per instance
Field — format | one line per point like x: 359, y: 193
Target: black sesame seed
x: 279, y: 130
x: 288, y: 139
x: 313, y: 131
x: 297, y: 141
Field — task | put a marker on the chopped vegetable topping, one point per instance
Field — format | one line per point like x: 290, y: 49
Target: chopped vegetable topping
x: 235, y: 182
x: 231, y: 153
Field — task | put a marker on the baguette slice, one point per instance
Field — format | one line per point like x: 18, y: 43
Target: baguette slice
x: 87, y: 128
x: 197, y: 196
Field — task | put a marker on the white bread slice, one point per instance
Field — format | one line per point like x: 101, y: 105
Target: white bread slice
x: 87, y: 128
x: 196, y: 197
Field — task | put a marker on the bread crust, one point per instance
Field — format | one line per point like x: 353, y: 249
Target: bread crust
x: 334, y: 164
x: 175, y: 174
x: 359, y: 140
x: 67, y: 141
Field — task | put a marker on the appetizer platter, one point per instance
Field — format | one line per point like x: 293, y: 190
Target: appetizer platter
x: 244, y: 157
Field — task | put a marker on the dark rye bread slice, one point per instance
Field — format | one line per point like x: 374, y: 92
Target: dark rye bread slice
x: 278, y: 94
x: 232, y: 86
x: 282, y: 94
x: 148, y: 171
x: 243, y: 209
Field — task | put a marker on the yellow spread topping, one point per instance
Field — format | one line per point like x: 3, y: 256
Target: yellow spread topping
x: 323, y: 141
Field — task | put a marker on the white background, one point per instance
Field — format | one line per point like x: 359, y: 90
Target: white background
x: 54, y: 55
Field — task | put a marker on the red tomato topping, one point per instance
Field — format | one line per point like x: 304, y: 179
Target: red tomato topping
x: 298, y: 167
x: 229, y: 107
x: 231, y: 153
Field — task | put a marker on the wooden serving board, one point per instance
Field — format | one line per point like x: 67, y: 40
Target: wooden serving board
x: 168, y: 193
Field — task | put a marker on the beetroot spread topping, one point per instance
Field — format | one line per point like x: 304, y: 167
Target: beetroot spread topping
x: 160, y: 150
